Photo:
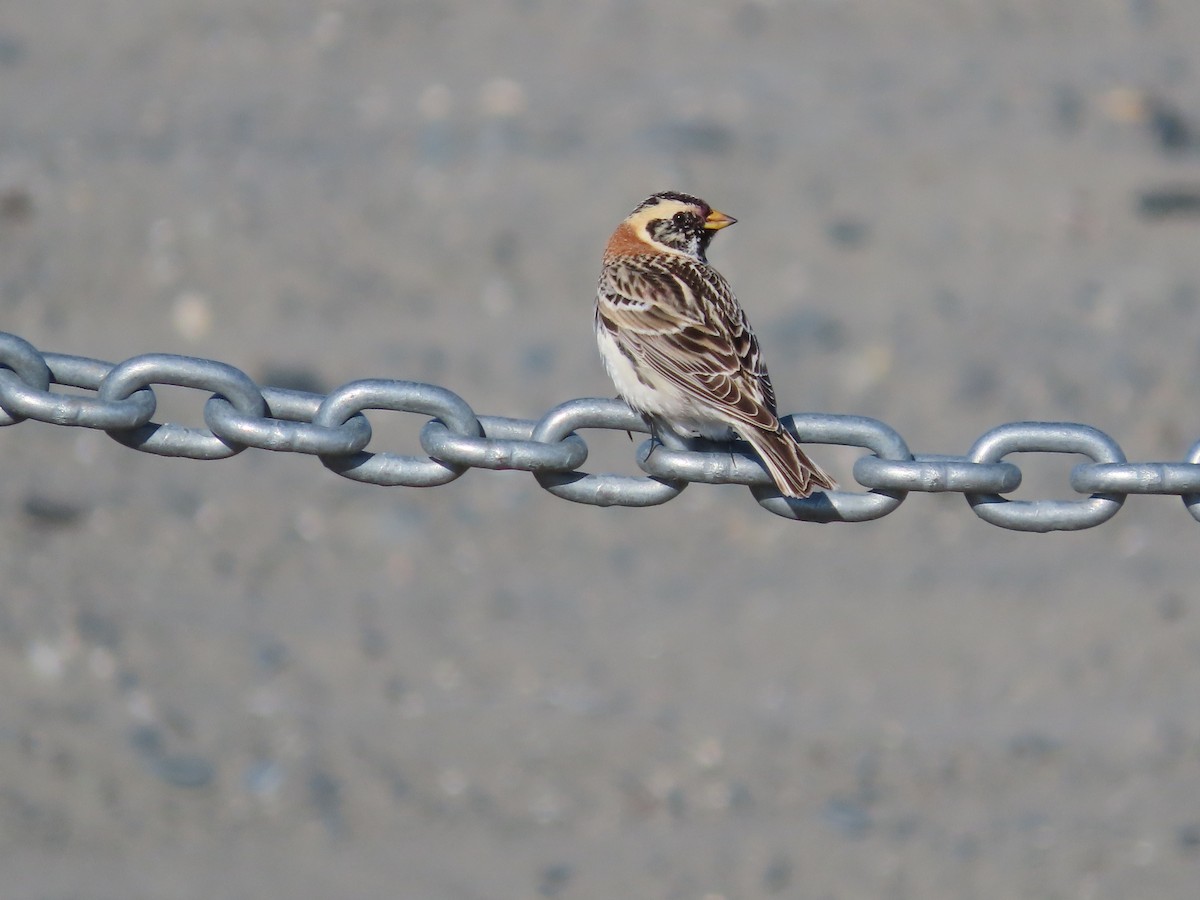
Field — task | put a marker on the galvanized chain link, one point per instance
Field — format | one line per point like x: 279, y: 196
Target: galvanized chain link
x: 333, y: 427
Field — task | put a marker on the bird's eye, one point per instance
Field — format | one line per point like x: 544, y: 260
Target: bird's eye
x: 680, y: 218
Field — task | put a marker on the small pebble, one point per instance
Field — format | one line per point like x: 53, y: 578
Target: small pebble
x: 554, y: 879
x: 1189, y: 838
x: 328, y: 28
x: 185, y: 771
x: 57, y: 512
x: 810, y: 327
x: 101, y: 664
x: 502, y: 98
x: 539, y: 360
x: 147, y: 741
x: 1170, y: 129
x: 325, y: 793
x: 271, y: 654
x: 777, y: 877
x: 1033, y: 745
x: 452, y: 782
x: 97, y: 628
x: 16, y: 205
x: 847, y: 816
x: 709, y: 753
x: 293, y: 378
x: 46, y: 660
x: 436, y: 102
x: 263, y: 778
x: 702, y: 136
x: 1169, y: 203
x: 12, y: 50
x: 192, y: 315
x: 1172, y: 607
x: 847, y: 232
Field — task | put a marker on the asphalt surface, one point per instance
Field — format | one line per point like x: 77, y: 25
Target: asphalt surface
x: 252, y: 678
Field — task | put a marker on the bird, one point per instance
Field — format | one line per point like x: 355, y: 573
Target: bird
x: 677, y: 344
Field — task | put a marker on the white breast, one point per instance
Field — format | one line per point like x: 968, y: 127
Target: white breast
x: 660, y: 399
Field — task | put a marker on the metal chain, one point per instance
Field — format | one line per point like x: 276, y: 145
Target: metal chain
x: 240, y: 414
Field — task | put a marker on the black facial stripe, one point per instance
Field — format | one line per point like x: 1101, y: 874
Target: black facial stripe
x: 662, y: 228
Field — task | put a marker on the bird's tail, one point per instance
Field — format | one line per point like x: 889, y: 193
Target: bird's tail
x: 792, y: 471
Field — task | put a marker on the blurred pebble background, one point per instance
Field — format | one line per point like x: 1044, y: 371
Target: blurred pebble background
x: 253, y: 678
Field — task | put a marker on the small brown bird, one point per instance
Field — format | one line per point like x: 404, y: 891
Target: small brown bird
x: 676, y: 342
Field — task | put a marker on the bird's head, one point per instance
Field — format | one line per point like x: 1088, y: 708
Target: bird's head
x: 677, y: 223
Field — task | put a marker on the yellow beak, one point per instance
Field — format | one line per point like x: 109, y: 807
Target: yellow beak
x: 716, y: 220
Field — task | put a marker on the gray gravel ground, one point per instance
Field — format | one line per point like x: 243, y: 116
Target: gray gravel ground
x: 254, y: 679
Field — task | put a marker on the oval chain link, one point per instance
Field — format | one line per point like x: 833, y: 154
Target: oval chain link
x: 1191, y: 501
x: 1046, y: 515
x: 507, y: 444
x: 839, y: 505
x: 26, y: 364
x: 289, y: 427
x: 172, y: 439
x: 606, y: 489
x: 936, y: 473
x: 394, y: 469
x: 79, y: 410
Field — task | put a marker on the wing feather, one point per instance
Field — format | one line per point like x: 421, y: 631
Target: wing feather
x: 681, y: 318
